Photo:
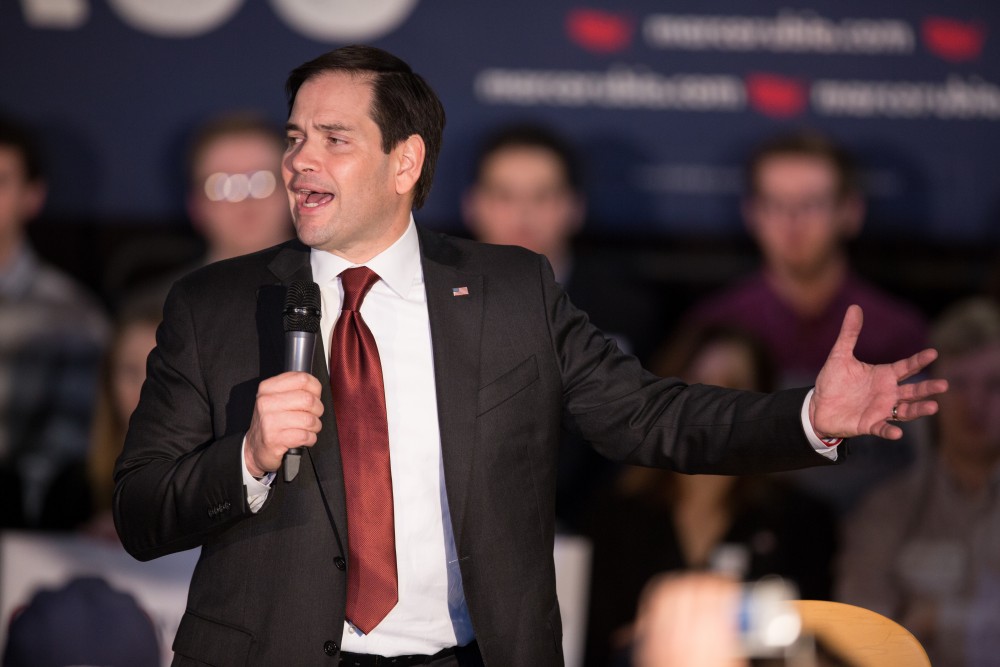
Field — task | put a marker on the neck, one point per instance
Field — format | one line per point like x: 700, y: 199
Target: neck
x: 809, y: 292
x: 381, y: 239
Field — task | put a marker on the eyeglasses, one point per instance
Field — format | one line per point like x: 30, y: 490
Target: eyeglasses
x: 807, y: 207
x: 221, y: 186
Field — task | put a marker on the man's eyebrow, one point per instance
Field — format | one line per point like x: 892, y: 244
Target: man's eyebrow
x: 333, y: 127
x: 323, y: 127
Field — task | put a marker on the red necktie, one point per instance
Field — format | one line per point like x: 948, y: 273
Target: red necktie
x: 359, y: 404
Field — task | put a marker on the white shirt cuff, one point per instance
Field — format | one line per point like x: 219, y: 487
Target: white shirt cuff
x: 827, y: 448
x: 257, y: 490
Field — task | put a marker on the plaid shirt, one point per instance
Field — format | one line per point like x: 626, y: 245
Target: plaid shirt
x: 52, y: 337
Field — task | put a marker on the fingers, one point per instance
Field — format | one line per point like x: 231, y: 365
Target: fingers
x: 888, y: 430
x: 850, y: 329
x: 909, y: 411
x: 921, y: 390
x: 906, y: 368
x: 291, y: 382
x: 286, y: 415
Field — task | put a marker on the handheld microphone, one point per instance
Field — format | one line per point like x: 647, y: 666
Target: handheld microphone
x: 301, y: 320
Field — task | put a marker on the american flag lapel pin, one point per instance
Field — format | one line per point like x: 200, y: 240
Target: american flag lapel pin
x: 460, y: 291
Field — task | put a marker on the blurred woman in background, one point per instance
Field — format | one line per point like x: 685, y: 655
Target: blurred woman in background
x: 657, y: 520
x: 80, y: 496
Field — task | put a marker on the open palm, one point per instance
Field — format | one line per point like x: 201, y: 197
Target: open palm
x: 854, y: 398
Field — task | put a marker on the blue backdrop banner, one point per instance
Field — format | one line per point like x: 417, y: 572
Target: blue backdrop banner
x: 664, y: 100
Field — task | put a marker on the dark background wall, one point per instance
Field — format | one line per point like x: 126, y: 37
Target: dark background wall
x: 664, y: 100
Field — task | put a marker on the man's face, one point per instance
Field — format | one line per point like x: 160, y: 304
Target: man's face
x: 345, y: 192
x: 522, y: 198
x: 969, y: 415
x: 236, y: 201
x: 797, y: 216
x: 20, y: 199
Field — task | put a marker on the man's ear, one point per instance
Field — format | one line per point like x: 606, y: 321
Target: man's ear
x: 195, y: 204
x: 34, y: 200
x: 409, y: 163
x: 470, y: 208
x: 852, y: 215
x: 578, y: 213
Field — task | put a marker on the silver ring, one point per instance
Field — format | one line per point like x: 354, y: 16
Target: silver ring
x: 895, y: 415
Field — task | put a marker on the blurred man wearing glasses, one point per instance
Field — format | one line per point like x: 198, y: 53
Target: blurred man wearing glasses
x: 233, y: 199
x: 803, y: 204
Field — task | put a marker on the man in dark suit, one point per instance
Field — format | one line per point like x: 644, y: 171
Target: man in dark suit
x: 481, y: 357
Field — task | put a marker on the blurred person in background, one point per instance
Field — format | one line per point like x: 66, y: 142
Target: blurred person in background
x: 658, y: 520
x: 235, y: 200
x: 80, y: 496
x: 689, y: 619
x: 803, y: 204
x: 82, y: 622
x: 924, y: 549
x: 52, y: 334
x: 528, y: 191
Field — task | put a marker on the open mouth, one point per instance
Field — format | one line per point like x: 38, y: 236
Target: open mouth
x: 312, y: 199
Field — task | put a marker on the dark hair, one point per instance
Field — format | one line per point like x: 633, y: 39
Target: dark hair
x: 229, y: 125
x: 806, y: 144
x: 19, y: 137
x: 402, y: 102
x: 527, y: 135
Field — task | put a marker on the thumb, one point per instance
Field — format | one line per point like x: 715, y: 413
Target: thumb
x: 850, y: 329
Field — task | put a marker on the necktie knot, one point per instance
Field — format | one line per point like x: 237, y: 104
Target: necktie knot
x: 357, y: 282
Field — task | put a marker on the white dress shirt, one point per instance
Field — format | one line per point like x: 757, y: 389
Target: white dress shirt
x: 431, y: 613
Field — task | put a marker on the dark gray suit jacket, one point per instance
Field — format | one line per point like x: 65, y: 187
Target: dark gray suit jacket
x: 514, y: 360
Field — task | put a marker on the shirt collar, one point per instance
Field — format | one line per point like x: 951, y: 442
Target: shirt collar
x: 398, y: 265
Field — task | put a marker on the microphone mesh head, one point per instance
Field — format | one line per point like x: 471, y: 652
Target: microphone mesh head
x: 302, y: 307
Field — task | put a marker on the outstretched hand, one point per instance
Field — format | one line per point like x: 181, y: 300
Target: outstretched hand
x: 854, y: 398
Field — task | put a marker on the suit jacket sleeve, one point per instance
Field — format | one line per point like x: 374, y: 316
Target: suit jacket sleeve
x: 177, y: 482
x: 631, y: 415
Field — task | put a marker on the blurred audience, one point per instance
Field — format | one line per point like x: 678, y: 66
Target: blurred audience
x: 803, y: 203
x: 691, y: 619
x: 528, y: 191
x: 52, y: 333
x: 924, y: 549
x: 80, y: 496
x: 84, y: 622
x: 236, y: 200
x: 656, y: 520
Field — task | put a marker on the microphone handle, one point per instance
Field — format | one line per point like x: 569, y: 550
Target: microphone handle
x: 299, y: 348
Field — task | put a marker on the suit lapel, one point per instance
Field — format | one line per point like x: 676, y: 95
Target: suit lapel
x: 292, y: 263
x: 455, y: 321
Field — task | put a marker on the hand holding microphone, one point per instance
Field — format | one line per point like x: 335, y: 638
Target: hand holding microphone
x: 288, y: 407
